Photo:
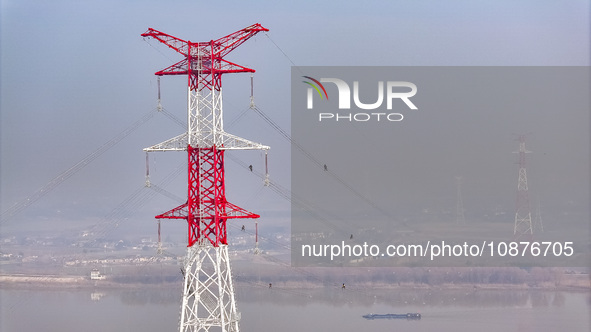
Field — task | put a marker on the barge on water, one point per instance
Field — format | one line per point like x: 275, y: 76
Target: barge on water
x: 410, y: 315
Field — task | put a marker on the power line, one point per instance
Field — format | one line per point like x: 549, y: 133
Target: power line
x: 280, y: 50
x: 56, y: 181
x: 320, y: 164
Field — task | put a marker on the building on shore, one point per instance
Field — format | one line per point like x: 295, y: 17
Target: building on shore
x: 95, y: 274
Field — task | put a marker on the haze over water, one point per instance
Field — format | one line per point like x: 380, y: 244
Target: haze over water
x: 291, y: 310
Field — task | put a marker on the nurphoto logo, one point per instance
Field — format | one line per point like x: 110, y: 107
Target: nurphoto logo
x: 393, y: 90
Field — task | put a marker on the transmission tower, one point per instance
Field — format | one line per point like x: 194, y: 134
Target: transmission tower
x: 537, y: 223
x: 208, y: 301
x: 256, y: 251
x: 459, y: 202
x: 523, y: 223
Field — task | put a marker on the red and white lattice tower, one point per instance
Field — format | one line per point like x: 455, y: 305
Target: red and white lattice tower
x: 523, y: 228
x: 208, y: 302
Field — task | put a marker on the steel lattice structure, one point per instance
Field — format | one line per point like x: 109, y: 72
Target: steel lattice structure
x: 523, y: 223
x: 460, y: 218
x: 208, y: 293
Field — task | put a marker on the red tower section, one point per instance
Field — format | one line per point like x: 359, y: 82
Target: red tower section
x: 206, y: 220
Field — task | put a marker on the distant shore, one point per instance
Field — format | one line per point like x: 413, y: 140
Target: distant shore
x: 569, y: 282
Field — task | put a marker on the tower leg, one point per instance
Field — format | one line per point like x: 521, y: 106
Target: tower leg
x: 208, y: 302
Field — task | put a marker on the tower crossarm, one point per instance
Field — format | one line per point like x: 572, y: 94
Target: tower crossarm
x: 228, y: 142
x: 211, y: 53
x: 232, y: 142
x: 226, y: 67
x: 179, y: 68
x: 177, y: 143
x: 221, y: 67
x: 177, y: 44
x: 231, y: 211
x: 227, y: 44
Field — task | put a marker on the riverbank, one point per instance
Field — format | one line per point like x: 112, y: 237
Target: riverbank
x: 567, y: 282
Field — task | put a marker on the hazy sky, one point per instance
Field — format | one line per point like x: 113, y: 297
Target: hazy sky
x: 74, y: 74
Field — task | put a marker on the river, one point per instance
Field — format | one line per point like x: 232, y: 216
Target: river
x: 291, y: 310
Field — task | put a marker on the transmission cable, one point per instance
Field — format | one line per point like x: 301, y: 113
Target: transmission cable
x: 59, y: 179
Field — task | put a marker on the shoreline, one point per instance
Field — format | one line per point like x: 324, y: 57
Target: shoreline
x: 579, y: 283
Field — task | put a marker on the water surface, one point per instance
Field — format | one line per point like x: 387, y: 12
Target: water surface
x: 291, y: 310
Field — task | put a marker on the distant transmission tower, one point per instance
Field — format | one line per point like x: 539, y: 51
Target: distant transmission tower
x: 460, y: 203
x: 208, y: 292
x: 523, y: 223
x: 256, y: 251
x: 537, y: 224
x: 159, y: 249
